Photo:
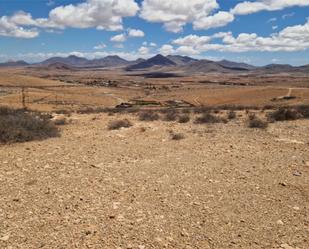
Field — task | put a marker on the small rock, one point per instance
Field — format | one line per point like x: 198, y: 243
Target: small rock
x: 286, y: 246
x: 297, y: 173
x: 5, y: 237
x: 296, y: 208
x: 280, y: 222
x: 141, y: 247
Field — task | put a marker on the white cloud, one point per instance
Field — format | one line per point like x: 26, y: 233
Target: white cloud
x: 220, y: 19
x: 119, y: 38
x: 102, y: 14
x: 10, y: 29
x: 174, y: 13
x: 247, y: 7
x: 143, y: 50
x: 192, y: 40
x: 167, y: 49
x: 152, y: 44
x: 135, y: 33
x: 187, y: 50
x: 99, y: 46
x: 274, y: 19
x: 288, y: 15
x: 99, y: 14
x: 294, y: 38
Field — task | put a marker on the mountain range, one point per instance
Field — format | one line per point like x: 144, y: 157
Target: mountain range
x: 170, y: 63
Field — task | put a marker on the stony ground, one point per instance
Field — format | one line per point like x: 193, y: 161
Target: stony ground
x: 223, y: 186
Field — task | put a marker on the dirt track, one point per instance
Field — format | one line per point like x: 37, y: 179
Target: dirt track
x: 223, y: 186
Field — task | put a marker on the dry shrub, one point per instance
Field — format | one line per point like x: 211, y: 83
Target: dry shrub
x: 231, y: 114
x: 91, y: 110
x: 64, y: 112
x: 284, y: 114
x: 184, y: 118
x: 170, y: 115
x: 117, y: 124
x: 255, y: 122
x: 303, y: 110
x: 177, y: 136
x: 186, y: 111
x: 208, y: 118
x: 22, y: 126
x: 148, y: 116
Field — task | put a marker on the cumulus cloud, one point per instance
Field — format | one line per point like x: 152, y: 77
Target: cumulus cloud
x: 247, y: 7
x: 143, y: 50
x: 294, y: 38
x: 136, y: 33
x: 167, y: 49
x: 119, y: 38
x: 99, y: 46
x: 192, y: 40
x: 102, y: 14
x: 220, y: 19
x: 99, y: 14
x: 10, y: 29
x: 174, y: 14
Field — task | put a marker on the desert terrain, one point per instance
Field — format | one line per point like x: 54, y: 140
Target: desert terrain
x: 51, y: 90
x: 156, y: 183
x: 222, y: 186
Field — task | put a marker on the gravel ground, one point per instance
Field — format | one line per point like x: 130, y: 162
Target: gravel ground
x: 222, y: 186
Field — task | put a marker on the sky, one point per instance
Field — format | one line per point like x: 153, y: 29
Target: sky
x: 257, y: 32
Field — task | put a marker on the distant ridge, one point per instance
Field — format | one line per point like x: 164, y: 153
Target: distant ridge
x: 14, y: 64
x: 181, y: 60
x: 75, y: 61
x: 71, y: 60
x: 158, y: 60
x: 159, y: 63
x: 235, y: 65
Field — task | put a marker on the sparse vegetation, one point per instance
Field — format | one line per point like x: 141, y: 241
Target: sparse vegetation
x: 283, y: 114
x: 118, y: 124
x: 148, y: 116
x: 208, y: 118
x: 303, y: 110
x: 255, y: 122
x: 170, y: 115
x: 90, y: 110
x: 184, y: 118
x: 177, y: 136
x: 231, y: 114
x: 22, y: 126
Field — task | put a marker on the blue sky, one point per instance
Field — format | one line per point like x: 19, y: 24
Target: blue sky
x: 257, y: 32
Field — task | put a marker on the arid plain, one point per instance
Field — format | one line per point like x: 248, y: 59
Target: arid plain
x: 158, y: 183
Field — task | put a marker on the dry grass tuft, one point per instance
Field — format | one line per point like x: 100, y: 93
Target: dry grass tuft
x: 148, y: 116
x: 177, y: 136
x: 184, y: 118
x: 255, y: 122
x: 208, y: 118
x: 118, y: 124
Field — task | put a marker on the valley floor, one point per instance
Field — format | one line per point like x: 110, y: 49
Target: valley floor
x: 222, y: 186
